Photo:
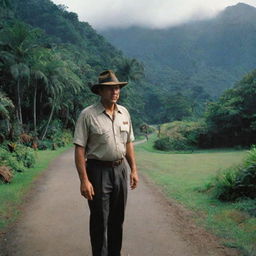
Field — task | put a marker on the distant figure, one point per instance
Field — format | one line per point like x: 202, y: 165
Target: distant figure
x: 159, y: 131
x: 144, y: 129
x: 104, y: 136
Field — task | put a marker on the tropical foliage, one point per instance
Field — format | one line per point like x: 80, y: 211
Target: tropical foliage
x: 180, y: 135
x: 48, y: 59
x: 237, y: 182
x: 46, y: 76
x: 232, y: 119
x: 228, y: 122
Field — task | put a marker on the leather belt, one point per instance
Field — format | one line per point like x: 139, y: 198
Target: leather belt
x: 106, y: 163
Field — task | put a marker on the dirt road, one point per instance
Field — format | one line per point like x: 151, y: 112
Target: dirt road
x: 55, y: 221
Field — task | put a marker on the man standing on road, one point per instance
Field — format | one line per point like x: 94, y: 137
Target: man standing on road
x: 103, y: 141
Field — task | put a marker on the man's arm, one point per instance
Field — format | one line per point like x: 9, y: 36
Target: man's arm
x: 86, y: 187
x: 130, y: 156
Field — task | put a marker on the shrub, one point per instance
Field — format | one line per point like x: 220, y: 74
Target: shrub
x: 26, y: 155
x: 62, y: 139
x: 237, y: 182
x: 168, y: 144
x: 44, y: 144
x: 15, y: 165
x: 180, y: 135
x: 225, y: 183
x: 19, y: 160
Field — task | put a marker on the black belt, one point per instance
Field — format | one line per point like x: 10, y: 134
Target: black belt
x: 106, y: 163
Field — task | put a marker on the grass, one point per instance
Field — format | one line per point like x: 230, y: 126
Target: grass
x: 12, y: 195
x: 183, y: 176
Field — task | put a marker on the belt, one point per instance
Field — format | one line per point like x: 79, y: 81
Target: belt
x: 106, y: 163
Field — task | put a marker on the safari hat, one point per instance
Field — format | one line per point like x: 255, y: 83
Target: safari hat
x: 107, y: 77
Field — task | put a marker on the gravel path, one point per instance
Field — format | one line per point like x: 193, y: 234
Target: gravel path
x: 55, y: 221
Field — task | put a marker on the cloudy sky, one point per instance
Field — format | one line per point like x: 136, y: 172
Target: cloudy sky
x: 103, y: 14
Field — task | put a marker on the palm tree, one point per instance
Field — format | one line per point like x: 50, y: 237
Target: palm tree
x: 20, y: 41
x: 130, y: 70
x: 20, y: 72
x: 38, y: 77
x: 60, y: 78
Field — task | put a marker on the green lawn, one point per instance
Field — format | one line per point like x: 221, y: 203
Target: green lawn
x: 181, y: 176
x: 12, y: 195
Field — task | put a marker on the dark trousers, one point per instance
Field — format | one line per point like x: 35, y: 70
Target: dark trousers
x: 107, y: 208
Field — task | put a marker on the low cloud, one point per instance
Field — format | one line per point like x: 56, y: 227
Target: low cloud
x: 103, y: 14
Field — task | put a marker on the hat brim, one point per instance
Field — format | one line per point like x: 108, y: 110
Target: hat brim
x: 95, y: 87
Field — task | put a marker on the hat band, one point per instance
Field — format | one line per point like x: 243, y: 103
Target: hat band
x: 108, y: 79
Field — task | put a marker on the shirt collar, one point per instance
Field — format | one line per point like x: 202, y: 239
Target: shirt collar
x: 100, y: 108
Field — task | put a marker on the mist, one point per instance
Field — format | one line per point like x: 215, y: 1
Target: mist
x: 104, y: 14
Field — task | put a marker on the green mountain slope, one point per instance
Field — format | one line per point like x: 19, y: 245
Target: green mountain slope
x: 213, y: 53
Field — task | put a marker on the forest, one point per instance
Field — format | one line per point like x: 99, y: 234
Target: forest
x: 48, y: 61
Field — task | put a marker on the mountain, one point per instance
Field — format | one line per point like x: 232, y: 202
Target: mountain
x: 213, y: 53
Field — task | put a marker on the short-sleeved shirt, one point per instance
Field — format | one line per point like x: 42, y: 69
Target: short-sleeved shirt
x: 103, y: 138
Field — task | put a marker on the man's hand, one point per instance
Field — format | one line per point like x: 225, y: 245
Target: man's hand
x: 87, y: 190
x: 134, y: 179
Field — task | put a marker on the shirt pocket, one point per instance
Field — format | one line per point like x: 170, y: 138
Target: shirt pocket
x: 101, y: 135
x: 124, y: 131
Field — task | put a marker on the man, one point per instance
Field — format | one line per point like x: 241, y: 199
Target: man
x: 103, y: 141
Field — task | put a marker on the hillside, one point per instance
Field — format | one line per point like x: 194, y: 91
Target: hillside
x: 213, y: 53
x: 48, y: 58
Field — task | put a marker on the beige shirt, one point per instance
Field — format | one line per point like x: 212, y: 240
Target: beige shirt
x: 103, y: 138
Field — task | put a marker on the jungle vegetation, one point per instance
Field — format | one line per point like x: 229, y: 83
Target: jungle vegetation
x: 48, y: 59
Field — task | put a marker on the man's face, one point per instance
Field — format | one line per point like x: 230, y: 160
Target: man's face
x: 110, y: 93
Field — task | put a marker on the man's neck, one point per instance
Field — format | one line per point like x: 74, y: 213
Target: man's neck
x: 109, y: 107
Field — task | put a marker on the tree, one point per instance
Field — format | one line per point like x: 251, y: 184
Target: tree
x: 60, y: 78
x: 129, y: 70
x: 38, y: 77
x: 177, y: 107
x: 232, y: 119
x: 19, y: 40
x: 20, y: 72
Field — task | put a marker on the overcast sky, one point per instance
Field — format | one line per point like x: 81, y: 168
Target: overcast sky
x: 102, y: 14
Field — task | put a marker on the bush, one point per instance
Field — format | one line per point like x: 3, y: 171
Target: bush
x: 180, y: 135
x: 238, y: 182
x: 15, y: 165
x: 59, y: 139
x: 168, y: 144
x: 26, y: 155
x: 62, y: 139
x: 224, y: 184
x: 10, y: 160
x: 44, y: 144
x: 22, y: 158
